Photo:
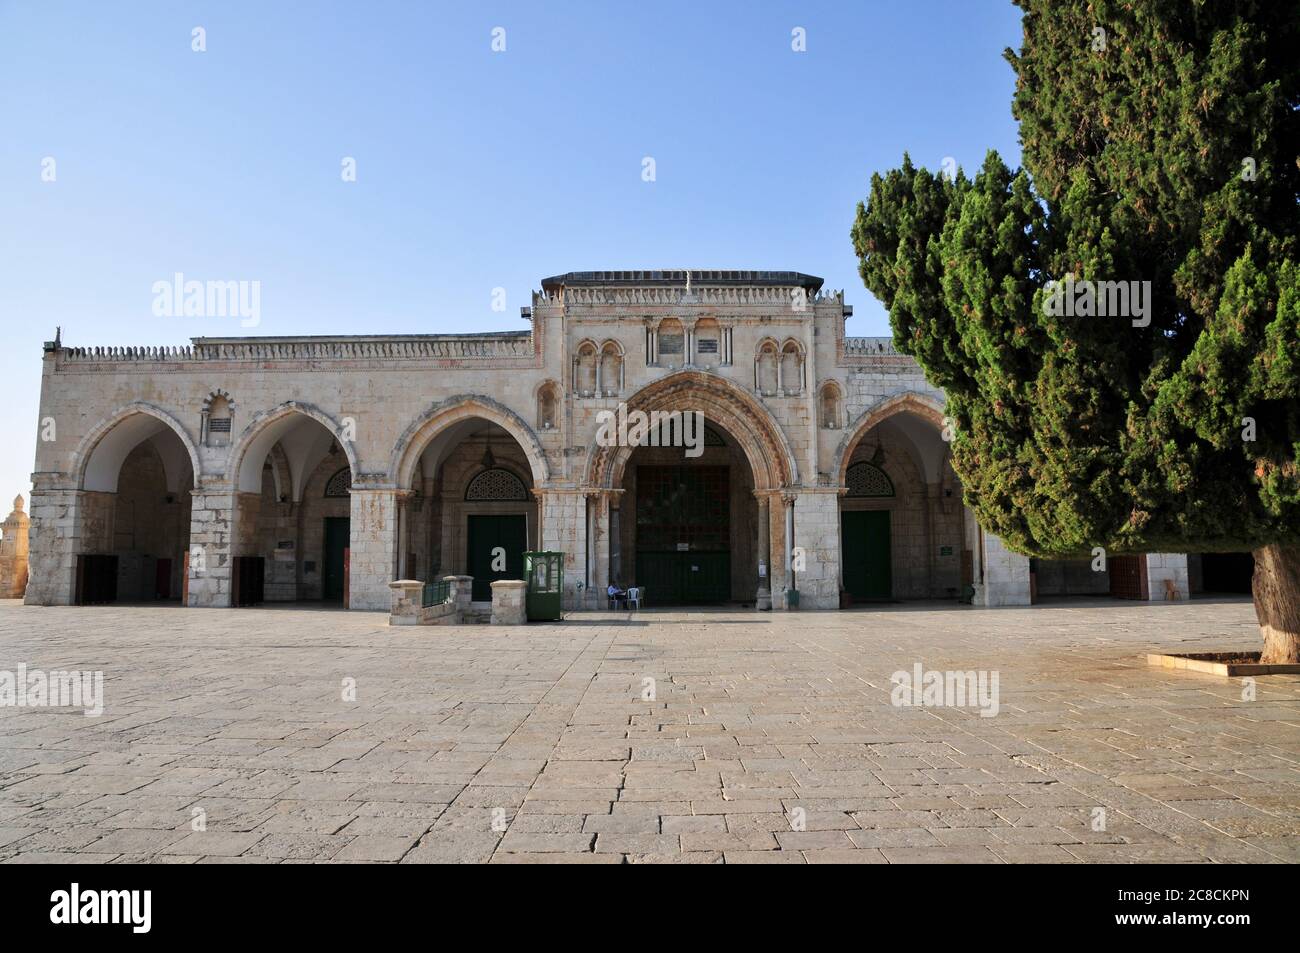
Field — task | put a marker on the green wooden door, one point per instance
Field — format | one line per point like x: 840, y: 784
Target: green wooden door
x: 338, y: 530
x: 866, y: 545
x: 486, y: 534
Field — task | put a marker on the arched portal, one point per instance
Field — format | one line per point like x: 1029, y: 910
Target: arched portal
x: 902, y: 522
x: 689, y: 520
x: 467, y: 469
x: 292, y: 470
x: 134, y: 473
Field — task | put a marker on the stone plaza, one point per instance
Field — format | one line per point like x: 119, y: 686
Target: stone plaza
x: 310, y: 735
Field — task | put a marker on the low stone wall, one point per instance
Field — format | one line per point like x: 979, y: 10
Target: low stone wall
x: 406, y: 596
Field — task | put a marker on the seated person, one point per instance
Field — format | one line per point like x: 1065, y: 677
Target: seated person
x: 616, y: 595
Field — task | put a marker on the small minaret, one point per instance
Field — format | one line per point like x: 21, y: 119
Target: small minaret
x: 13, y: 552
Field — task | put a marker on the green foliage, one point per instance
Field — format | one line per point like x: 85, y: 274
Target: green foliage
x: 1077, y: 431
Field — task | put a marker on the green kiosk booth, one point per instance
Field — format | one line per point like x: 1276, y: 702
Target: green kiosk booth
x: 545, y: 596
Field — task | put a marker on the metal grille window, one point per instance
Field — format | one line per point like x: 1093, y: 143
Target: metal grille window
x: 496, y: 484
x: 864, y: 479
x: 340, y: 484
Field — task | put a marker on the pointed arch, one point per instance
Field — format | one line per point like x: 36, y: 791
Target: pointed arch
x: 921, y: 405
x: 244, y: 467
x: 723, y: 404
x: 453, y: 410
x: 97, y: 461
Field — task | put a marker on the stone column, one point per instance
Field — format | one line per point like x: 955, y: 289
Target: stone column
x: 817, y: 535
x: 562, y: 516
x: 1006, y: 576
x: 763, y: 598
x: 212, y: 512
x: 615, y: 540
x: 53, y: 541
x: 373, y: 545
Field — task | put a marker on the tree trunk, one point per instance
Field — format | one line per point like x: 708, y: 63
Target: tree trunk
x: 1276, y: 586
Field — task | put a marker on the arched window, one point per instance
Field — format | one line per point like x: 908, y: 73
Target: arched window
x: 584, y: 370
x: 547, y: 407
x: 340, y: 484
x: 829, y: 406
x: 791, y: 369
x: 865, y: 479
x: 496, y: 484
x: 765, y: 378
x: 217, y: 411
x: 611, y: 369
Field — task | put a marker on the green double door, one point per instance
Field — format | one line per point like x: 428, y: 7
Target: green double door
x: 489, y: 538
x: 864, y: 535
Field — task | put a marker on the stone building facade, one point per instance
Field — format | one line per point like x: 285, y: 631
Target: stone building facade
x: 243, y: 470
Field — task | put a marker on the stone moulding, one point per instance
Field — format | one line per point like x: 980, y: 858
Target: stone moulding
x: 1227, y: 664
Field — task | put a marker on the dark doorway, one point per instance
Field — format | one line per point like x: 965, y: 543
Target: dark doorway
x: 1227, y: 572
x: 96, y: 580
x: 485, y: 535
x: 338, y: 531
x: 683, y: 534
x: 247, y: 580
x: 867, y: 564
x: 162, y: 585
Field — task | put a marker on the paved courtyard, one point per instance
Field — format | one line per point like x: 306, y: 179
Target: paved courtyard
x: 770, y: 737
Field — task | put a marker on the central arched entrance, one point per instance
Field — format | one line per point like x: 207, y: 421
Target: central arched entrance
x: 691, y: 525
x: 690, y: 531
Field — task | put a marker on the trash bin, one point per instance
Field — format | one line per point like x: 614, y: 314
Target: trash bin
x: 792, y: 598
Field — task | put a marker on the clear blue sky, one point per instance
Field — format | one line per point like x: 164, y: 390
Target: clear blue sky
x: 475, y: 169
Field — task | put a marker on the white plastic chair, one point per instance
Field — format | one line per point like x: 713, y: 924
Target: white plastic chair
x: 634, y: 597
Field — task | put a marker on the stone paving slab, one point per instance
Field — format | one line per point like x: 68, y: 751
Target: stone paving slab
x: 291, y: 735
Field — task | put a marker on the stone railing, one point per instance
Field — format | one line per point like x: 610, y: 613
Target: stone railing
x: 503, y: 344
x: 678, y: 296
x: 91, y: 355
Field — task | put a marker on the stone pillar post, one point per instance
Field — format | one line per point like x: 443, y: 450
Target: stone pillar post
x: 405, y: 601
x: 212, y: 513
x: 373, y: 545
x: 763, y: 598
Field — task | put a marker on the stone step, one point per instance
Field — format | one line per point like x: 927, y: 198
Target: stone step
x: 478, y: 613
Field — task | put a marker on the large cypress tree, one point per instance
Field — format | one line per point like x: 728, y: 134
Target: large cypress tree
x: 1161, y: 144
